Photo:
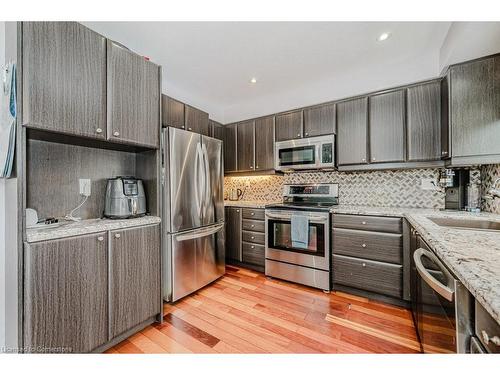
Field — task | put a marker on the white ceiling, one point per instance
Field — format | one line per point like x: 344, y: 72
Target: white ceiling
x: 209, y: 64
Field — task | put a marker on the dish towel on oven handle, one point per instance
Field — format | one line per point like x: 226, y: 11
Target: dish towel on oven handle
x: 8, y: 112
x: 300, y: 231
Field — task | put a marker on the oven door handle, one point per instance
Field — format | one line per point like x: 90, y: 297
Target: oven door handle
x: 446, y: 291
x: 289, y: 217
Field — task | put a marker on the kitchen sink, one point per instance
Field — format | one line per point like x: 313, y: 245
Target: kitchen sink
x: 466, y: 224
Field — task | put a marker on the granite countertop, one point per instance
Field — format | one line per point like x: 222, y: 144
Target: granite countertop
x: 472, y: 255
x: 71, y: 228
x: 249, y: 204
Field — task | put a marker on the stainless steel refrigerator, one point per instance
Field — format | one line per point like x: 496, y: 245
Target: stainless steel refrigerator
x: 193, y: 212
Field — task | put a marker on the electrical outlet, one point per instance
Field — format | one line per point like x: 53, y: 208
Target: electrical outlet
x: 429, y: 184
x: 84, y: 186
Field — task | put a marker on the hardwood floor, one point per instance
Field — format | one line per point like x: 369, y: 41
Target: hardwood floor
x: 244, y: 312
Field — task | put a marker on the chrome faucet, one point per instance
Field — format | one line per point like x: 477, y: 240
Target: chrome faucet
x: 494, y: 191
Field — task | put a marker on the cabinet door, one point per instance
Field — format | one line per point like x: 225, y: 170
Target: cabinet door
x: 134, y: 279
x: 264, y: 143
x: 133, y: 98
x: 424, y: 122
x: 66, y: 294
x: 289, y: 126
x: 387, y: 132
x: 172, y: 112
x: 352, y: 118
x: 216, y: 130
x: 475, y: 108
x: 233, y: 233
x: 64, y: 78
x: 245, y: 146
x: 230, y: 156
x: 319, y: 120
x: 196, y: 120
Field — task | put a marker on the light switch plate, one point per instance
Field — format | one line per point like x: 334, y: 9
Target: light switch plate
x: 429, y: 184
x: 84, y: 186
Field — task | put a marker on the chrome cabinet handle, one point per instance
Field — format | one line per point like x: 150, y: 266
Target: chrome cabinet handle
x: 373, y: 159
x: 253, y: 213
x: 364, y: 264
x: 363, y: 222
x: 307, y: 133
x: 98, y: 130
x: 251, y: 167
x: 183, y: 127
x: 444, y: 152
x: 116, y: 134
x: 363, y: 160
x: 117, y: 235
x: 298, y: 135
x: 487, y: 339
x: 253, y: 247
x: 256, y: 167
x: 251, y: 226
x: 100, y: 238
x: 446, y: 291
x: 253, y: 238
x: 237, y: 210
x: 190, y: 128
x: 363, y: 245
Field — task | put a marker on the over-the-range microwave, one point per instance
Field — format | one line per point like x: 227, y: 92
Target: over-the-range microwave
x: 305, y: 153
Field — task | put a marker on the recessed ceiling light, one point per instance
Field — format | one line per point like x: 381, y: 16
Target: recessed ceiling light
x: 253, y: 80
x: 383, y: 36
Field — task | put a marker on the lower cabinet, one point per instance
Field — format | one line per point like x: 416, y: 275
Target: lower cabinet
x: 134, y: 277
x: 80, y: 292
x: 245, y: 237
x: 66, y: 294
x: 368, y: 256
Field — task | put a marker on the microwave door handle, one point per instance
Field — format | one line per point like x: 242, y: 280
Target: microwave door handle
x: 443, y: 290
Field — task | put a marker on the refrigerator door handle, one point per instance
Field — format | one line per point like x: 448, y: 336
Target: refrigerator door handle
x: 197, y: 179
x: 208, y: 185
x: 199, y: 233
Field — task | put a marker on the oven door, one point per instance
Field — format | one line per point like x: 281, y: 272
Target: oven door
x: 435, y: 304
x: 279, y: 245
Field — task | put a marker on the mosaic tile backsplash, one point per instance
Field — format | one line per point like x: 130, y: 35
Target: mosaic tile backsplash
x: 489, y: 173
x: 373, y: 188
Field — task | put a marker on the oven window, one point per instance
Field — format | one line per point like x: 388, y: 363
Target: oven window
x: 297, y: 155
x: 280, y: 237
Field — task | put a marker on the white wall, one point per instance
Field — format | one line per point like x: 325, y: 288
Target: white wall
x: 2, y: 218
x: 469, y: 40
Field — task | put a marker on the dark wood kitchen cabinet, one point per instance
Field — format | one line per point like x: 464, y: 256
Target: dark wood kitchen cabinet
x: 216, y: 130
x: 320, y: 120
x: 195, y: 120
x: 230, y: 150
x: 134, y: 279
x: 66, y: 294
x: 352, y: 131
x: 264, y: 143
x: 233, y: 233
x: 64, y: 78
x: 172, y: 112
x: 133, y: 104
x: 245, y: 146
x: 424, y: 121
x: 289, y: 125
x: 475, y: 112
x: 387, y: 127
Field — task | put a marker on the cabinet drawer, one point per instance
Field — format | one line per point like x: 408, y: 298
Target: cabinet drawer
x: 378, y: 277
x: 385, y: 247
x: 254, y: 237
x: 373, y: 223
x: 253, y: 225
x: 487, y: 329
x: 253, y: 213
x: 253, y: 254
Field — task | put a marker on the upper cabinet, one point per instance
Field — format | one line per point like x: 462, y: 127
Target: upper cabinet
x: 64, y: 78
x: 196, y: 120
x: 264, y: 143
x: 387, y: 127
x: 352, y: 130
x: 474, y: 111
x: 79, y: 83
x: 216, y: 130
x: 319, y: 120
x: 172, y: 112
x: 289, y: 126
x: 133, y: 98
x: 230, y: 151
x: 246, y: 142
x: 424, y: 122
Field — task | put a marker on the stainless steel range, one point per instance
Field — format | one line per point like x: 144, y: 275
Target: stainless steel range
x: 298, y: 235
